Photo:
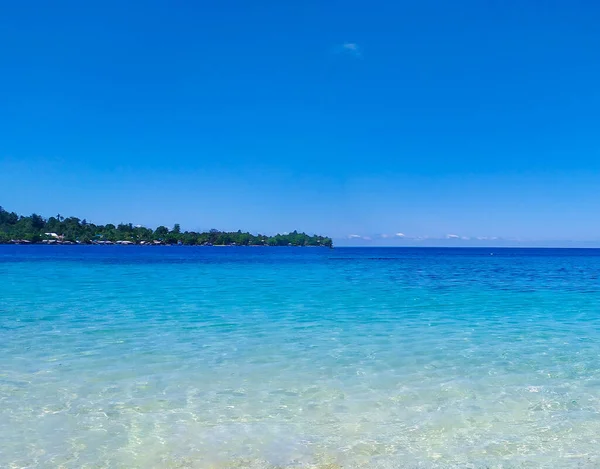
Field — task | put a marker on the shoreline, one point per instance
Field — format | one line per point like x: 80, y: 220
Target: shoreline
x: 71, y: 243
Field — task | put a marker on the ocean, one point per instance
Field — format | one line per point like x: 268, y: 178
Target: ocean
x: 241, y: 357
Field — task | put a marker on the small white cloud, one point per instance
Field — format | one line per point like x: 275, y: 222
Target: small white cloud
x: 364, y: 238
x: 452, y: 236
x: 386, y: 236
x: 400, y: 235
x: 350, y: 48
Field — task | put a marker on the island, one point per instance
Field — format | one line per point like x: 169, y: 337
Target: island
x: 34, y: 229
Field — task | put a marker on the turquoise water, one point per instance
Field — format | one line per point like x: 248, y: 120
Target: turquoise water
x: 173, y: 357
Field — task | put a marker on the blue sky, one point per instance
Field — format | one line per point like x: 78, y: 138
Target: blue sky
x: 477, y: 119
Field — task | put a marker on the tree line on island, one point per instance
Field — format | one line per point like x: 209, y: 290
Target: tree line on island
x: 71, y: 230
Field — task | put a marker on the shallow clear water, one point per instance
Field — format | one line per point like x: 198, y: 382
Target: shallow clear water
x: 129, y: 357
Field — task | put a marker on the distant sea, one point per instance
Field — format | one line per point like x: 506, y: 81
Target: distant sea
x: 199, y: 357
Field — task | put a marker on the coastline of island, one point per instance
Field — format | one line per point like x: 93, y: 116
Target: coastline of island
x: 58, y: 230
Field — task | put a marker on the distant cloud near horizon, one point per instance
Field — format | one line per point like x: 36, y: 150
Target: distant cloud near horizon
x: 356, y: 236
x: 454, y: 240
x: 402, y: 237
x: 379, y: 236
x: 455, y: 236
x: 395, y: 235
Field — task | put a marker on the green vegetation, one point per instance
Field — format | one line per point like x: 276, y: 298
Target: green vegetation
x: 60, y: 230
